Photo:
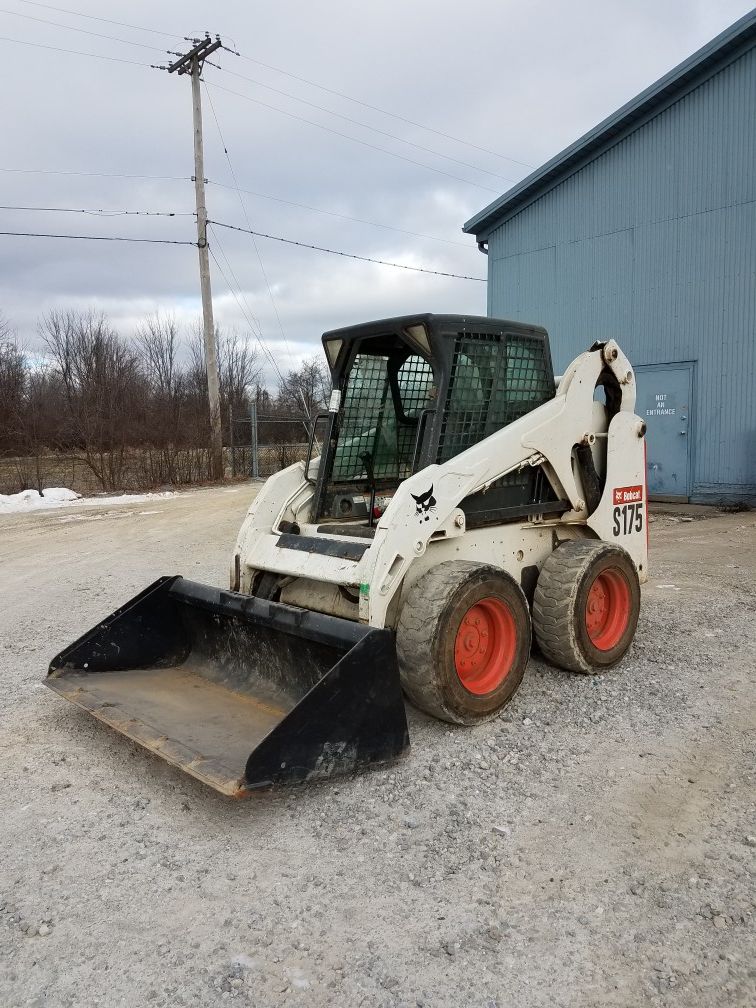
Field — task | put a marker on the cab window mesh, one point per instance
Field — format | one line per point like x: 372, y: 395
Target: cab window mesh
x: 415, y: 381
x: 495, y: 379
x: 416, y: 392
x: 371, y: 431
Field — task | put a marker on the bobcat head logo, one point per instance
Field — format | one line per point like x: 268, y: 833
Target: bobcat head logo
x: 425, y: 503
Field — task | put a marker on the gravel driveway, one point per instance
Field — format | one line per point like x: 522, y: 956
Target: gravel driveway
x: 593, y: 846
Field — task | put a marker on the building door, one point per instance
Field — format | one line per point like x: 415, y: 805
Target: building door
x: 665, y: 393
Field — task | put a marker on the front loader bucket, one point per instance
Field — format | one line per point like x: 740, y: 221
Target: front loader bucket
x: 239, y: 692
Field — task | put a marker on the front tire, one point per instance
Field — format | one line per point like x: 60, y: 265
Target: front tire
x: 586, y: 605
x: 463, y: 641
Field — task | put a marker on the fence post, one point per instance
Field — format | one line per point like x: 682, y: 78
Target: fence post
x: 253, y: 440
x: 231, y: 437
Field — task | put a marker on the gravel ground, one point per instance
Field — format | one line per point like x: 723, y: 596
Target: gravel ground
x: 591, y: 846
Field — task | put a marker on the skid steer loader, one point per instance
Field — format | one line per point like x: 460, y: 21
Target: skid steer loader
x: 462, y: 497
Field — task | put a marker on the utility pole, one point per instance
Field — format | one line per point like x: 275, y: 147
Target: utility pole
x: 191, y: 63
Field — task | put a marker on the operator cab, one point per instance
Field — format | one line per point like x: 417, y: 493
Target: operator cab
x: 420, y: 389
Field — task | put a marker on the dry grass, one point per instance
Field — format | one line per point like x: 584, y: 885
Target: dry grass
x: 142, y: 469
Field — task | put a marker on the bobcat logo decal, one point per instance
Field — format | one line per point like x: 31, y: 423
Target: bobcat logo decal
x: 425, y: 503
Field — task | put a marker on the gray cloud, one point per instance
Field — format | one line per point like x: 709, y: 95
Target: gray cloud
x: 521, y: 79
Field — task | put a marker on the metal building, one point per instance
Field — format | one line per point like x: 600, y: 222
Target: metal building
x: 645, y: 230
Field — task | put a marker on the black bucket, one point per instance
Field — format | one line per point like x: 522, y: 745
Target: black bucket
x: 239, y: 692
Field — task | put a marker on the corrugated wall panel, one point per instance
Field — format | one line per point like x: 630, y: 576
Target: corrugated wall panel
x: 654, y: 242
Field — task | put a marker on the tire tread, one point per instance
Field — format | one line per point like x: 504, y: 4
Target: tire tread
x: 420, y: 624
x: 554, y: 602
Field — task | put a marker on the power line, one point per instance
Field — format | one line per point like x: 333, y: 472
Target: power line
x: 280, y: 70
x: 251, y: 319
x: 105, y: 213
x: 356, y: 122
x: 257, y: 251
x: 82, y: 31
x: 354, y: 220
x: 257, y: 335
x: 346, y: 136
x: 249, y: 225
x: 93, y: 17
x: 74, y: 52
x: 375, y: 108
x: 347, y: 255
x: 148, y: 241
x: 248, y: 192
x: 255, y: 332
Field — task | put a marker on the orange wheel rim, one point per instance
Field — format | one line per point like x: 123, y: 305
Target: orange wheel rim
x: 485, y: 646
x: 607, y: 609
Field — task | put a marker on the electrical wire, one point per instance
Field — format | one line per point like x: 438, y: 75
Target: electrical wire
x: 248, y: 192
x: 254, y: 242
x: 286, y: 73
x: 113, y: 238
x: 375, y: 108
x: 106, y: 213
x: 256, y: 332
x: 258, y: 336
x: 354, y: 220
x: 346, y: 136
x: 356, y: 122
x: 251, y: 319
x: 93, y: 17
x: 347, y: 255
x: 82, y: 31
x: 74, y: 52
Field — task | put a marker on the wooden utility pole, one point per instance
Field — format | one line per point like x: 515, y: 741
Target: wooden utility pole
x: 191, y: 63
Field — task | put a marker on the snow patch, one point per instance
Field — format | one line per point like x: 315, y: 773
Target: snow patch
x: 32, y: 500
x: 54, y: 497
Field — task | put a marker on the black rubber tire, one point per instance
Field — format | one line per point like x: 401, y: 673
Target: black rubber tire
x: 427, y: 630
x: 560, y: 599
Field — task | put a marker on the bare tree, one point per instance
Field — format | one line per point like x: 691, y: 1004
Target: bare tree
x: 306, y: 390
x: 157, y: 343
x: 301, y: 394
x: 104, y: 389
x: 13, y: 381
x: 134, y: 412
x: 39, y: 432
x: 167, y: 434
x: 239, y: 372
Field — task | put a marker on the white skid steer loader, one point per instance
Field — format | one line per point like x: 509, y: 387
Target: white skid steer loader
x: 462, y: 501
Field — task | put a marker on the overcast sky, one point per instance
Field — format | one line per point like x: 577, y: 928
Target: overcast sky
x: 520, y: 79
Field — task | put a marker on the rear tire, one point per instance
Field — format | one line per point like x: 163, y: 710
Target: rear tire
x: 586, y: 605
x: 463, y: 641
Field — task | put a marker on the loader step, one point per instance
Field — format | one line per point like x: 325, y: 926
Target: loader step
x: 323, y: 546
x: 353, y: 531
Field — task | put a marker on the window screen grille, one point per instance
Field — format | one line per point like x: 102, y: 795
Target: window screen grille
x: 415, y: 381
x: 370, y: 426
x: 495, y: 379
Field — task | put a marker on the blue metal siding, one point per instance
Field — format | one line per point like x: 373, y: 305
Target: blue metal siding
x: 654, y: 242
